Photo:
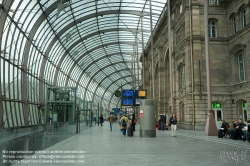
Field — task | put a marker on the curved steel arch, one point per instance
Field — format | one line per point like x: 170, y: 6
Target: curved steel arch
x: 75, y: 44
x: 4, y: 16
x: 110, y: 55
x: 113, y: 94
x: 109, y: 89
x: 120, y: 97
x: 110, y: 84
x: 43, y: 17
x: 88, y: 65
x: 91, y: 78
x: 97, y: 60
x: 27, y: 49
x: 95, y: 48
x: 57, y: 36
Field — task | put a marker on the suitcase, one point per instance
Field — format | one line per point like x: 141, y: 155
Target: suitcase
x: 159, y: 126
x: 234, y: 134
x: 130, y: 131
x: 220, y: 133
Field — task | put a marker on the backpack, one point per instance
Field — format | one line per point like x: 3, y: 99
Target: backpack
x: 135, y: 120
x: 124, y: 123
x: 111, y: 118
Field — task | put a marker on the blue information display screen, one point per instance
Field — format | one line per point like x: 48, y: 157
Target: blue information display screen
x: 127, y: 101
x: 128, y: 93
x: 117, y: 109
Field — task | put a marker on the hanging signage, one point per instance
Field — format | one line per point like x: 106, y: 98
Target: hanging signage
x: 128, y: 93
x: 140, y: 93
x: 127, y: 102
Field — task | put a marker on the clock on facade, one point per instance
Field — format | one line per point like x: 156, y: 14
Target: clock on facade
x: 118, y: 93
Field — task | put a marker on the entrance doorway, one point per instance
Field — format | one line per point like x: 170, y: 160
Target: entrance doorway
x: 245, y: 112
x: 218, y: 113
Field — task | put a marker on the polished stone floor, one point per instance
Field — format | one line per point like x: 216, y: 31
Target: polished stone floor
x: 98, y: 146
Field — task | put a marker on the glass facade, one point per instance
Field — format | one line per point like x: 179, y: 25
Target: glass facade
x: 85, y: 44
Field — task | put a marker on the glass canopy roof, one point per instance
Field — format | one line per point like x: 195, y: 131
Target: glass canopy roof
x: 90, y: 44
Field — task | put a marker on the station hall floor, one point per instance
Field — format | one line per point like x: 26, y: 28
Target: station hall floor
x: 98, y: 146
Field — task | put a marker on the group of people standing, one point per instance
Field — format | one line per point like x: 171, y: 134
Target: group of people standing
x: 171, y: 123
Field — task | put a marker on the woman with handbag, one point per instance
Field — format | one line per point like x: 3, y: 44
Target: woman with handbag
x: 173, y: 122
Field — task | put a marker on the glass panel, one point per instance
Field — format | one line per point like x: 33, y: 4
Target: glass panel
x: 219, y: 116
x: 245, y: 116
x: 244, y: 20
x: 234, y: 25
x: 244, y: 104
x: 215, y: 2
x: 218, y: 105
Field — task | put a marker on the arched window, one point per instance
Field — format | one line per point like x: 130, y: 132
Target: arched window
x: 241, y: 66
x: 182, y: 112
x: 244, y: 17
x: 234, y: 24
x: 243, y: 113
x: 166, y: 59
x: 218, y: 113
x: 156, y: 69
x: 212, y: 29
x: 181, y: 76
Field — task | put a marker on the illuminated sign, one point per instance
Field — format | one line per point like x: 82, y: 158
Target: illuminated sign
x: 140, y: 93
x: 128, y: 93
x: 127, y: 102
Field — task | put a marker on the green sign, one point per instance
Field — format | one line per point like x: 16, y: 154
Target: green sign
x: 216, y: 105
x: 245, y: 104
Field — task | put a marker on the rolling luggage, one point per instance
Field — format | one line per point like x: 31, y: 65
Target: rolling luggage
x: 220, y: 133
x: 130, y: 131
x: 159, y: 126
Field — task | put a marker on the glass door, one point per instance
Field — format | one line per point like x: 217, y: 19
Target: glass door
x: 245, y: 113
x: 218, y: 113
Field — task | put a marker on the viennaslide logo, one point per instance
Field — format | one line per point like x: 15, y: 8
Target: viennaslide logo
x: 234, y: 155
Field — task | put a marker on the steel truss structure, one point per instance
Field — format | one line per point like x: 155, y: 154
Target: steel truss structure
x: 94, y: 45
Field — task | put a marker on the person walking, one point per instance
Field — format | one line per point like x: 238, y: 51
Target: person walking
x: 111, y: 119
x: 124, y: 124
x: 163, y: 121
x: 101, y: 119
x: 173, y: 122
x: 95, y: 119
x: 133, y: 122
